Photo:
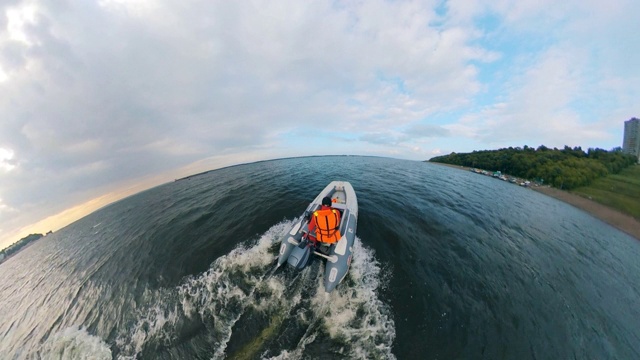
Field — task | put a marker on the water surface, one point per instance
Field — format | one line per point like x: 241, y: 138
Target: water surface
x: 448, y: 264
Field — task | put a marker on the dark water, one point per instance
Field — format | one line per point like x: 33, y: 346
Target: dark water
x: 448, y: 264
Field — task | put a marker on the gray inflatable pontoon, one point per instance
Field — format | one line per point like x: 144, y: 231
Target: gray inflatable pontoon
x: 298, y: 252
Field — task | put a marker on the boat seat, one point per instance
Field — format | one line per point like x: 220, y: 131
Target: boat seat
x: 340, y: 207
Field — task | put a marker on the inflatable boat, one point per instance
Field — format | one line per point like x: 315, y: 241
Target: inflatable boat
x: 298, y: 247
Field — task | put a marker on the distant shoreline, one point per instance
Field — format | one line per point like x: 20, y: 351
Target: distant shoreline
x: 7, y: 257
x: 623, y: 222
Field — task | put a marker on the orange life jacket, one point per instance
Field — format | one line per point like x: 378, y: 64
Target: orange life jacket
x: 327, y: 224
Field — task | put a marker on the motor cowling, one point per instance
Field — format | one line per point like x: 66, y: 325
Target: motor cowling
x: 300, y: 256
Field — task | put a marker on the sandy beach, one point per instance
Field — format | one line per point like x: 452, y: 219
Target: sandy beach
x: 615, y: 218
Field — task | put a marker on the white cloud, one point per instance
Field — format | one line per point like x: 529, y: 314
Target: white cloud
x: 95, y: 94
x: 561, y: 76
x: 6, y: 157
x: 18, y: 18
x: 98, y: 93
x: 4, y: 208
x: 538, y: 105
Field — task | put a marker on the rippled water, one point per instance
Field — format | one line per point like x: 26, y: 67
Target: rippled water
x: 448, y: 264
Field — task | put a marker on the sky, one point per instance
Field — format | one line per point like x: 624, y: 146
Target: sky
x: 102, y: 99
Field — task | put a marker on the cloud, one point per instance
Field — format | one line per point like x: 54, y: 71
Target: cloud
x: 95, y: 94
x: 557, y: 84
x: 426, y: 131
x: 6, y: 157
x: 538, y: 105
x: 406, y: 137
x: 4, y: 208
x: 379, y: 138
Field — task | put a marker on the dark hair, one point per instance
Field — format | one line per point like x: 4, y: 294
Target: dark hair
x: 326, y: 201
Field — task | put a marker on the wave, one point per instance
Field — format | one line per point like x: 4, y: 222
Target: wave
x: 356, y: 320
x: 210, y: 303
x: 74, y: 343
x: 243, y: 307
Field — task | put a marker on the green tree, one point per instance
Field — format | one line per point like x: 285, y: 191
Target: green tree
x: 567, y: 168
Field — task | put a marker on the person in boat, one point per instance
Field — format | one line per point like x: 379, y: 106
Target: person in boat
x: 324, y: 224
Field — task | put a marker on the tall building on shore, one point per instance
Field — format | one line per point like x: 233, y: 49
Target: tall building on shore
x: 631, y: 142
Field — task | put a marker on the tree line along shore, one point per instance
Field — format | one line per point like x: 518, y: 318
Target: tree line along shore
x: 610, y: 178
x: 565, y: 169
x: 589, y: 180
x: 19, y: 245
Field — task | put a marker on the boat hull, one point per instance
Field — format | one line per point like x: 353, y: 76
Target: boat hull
x: 339, y: 255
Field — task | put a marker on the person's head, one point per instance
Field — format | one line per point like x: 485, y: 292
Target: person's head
x: 326, y: 201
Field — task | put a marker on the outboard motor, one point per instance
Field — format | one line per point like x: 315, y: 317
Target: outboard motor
x: 300, y: 256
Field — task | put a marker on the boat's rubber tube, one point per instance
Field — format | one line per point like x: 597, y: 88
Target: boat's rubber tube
x: 339, y: 258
